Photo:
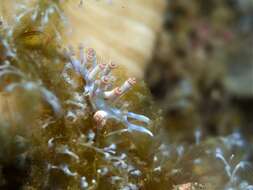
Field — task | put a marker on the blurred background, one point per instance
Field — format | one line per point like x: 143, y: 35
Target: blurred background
x: 201, y: 72
x: 195, y: 56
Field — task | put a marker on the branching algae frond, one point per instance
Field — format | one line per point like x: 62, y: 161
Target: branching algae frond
x: 102, y: 98
x: 62, y: 102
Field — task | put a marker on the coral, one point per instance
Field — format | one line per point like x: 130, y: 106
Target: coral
x: 117, y: 31
x: 64, y: 125
x: 189, y: 186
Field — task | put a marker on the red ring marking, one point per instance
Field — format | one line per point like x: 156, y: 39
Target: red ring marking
x: 105, y: 80
x: 102, y: 65
x: 112, y: 65
x: 118, y: 91
x: 131, y: 81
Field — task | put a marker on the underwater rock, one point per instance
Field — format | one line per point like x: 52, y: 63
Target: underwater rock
x: 239, y: 78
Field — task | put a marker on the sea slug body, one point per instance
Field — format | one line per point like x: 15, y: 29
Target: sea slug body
x: 101, y: 95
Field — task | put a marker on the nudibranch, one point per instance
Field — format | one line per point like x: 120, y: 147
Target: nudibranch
x: 100, y: 92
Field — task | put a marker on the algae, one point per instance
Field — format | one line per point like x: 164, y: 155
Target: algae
x: 49, y: 139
